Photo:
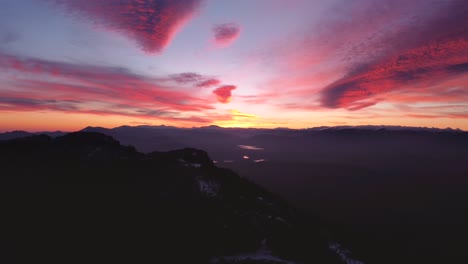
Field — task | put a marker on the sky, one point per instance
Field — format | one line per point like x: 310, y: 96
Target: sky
x: 68, y: 64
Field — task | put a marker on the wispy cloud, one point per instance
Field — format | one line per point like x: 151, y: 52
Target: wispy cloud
x: 94, y: 89
x: 225, y: 34
x: 195, y: 79
x: 187, y: 77
x: 151, y: 23
x: 412, y: 46
x: 422, y: 67
x: 370, y: 52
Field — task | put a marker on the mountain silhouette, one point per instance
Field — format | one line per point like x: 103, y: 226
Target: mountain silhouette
x: 85, y: 198
x: 390, y: 191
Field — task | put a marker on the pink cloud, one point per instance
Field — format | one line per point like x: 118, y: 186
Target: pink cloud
x: 426, y: 67
x: 151, y: 23
x: 67, y: 87
x: 225, y: 34
x: 102, y: 90
x: 421, y: 49
x: 366, y: 54
x: 224, y: 93
x: 33, y: 104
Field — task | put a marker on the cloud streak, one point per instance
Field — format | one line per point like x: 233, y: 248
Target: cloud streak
x: 421, y: 67
x: 208, y: 83
x: 194, y: 79
x: 426, y: 47
x: 151, y: 23
x: 60, y: 86
x: 372, y: 52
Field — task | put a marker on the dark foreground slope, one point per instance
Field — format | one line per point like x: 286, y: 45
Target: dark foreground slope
x: 398, y: 193
x: 84, y: 198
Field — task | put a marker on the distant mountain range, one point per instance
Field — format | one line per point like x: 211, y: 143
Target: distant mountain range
x: 20, y: 134
x: 223, y: 143
x: 242, y: 132
x: 84, y: 198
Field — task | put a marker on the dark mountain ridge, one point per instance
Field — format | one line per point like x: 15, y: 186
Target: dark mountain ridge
x: 397, y: 192
x: 84, y: 197
x: 19, y: 133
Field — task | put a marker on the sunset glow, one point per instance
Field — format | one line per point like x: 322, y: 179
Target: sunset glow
x: 68, y: 64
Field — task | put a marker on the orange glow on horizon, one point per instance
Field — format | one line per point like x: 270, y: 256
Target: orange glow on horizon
x: 54, y: 121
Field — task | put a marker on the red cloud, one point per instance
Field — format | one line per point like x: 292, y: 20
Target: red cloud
x: 34, y: 104
x: 85, y: 88
x: 152, y: 23
x: 365, y: 54
x: 422, y: 49
x: 424, y: 67
x: 223, y: 93
x: 100, y: 90
x: 225, y: 34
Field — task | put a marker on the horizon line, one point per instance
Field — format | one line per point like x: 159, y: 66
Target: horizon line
x: 234, y: 127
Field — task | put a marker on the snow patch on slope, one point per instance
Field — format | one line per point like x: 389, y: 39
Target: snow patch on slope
x: 262, y: 254
x: 209, y: 188
x: 343, y: 253
x: 186, y: 164
x: 196, y: 165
